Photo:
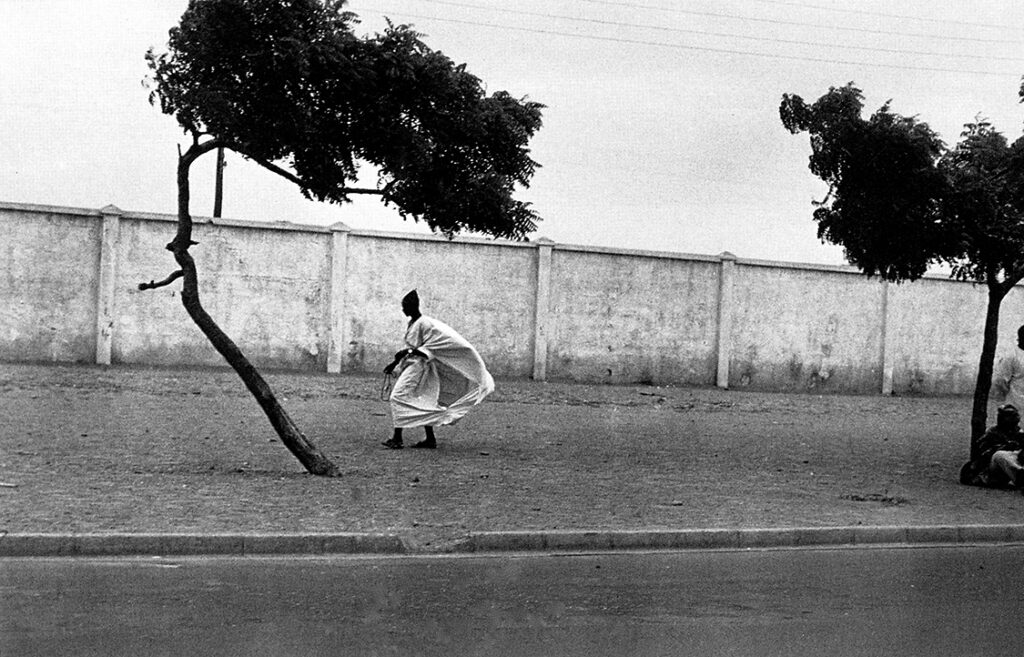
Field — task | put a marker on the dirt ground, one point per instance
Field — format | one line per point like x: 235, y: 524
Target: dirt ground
x: 90, y: 449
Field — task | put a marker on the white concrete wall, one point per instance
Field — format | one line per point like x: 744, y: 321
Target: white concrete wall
x: 937, y: 332
x: 625, y: 317
x: 806, y: 329
x: 49, y: 277
x: 327, y: 299
x: 266, y: 287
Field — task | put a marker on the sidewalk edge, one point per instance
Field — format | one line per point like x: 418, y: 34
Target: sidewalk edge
x: 709, y: 539
x: 127, y: 544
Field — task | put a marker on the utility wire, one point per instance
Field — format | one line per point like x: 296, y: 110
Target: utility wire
x: 680, y: 30
x: 864, y: 12
x: 679, y: 46
x: 693, y: 12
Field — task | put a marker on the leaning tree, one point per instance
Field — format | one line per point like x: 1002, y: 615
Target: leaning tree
x: 289, y: 85
x: 899, y: 200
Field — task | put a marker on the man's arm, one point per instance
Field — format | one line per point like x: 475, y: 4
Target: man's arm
x: 399, y: 356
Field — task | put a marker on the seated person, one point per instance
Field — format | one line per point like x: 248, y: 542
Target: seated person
x: 997, y: 464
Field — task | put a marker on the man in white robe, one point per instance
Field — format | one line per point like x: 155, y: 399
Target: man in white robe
x: 1008, y: 378
x: 441, y: 376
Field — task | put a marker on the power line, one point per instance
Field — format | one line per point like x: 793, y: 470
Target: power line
x: 773, y: 21
x: 725, y: 34
x: 925, y: 19
x: 678, y: 46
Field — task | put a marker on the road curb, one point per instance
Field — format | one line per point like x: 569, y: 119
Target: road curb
x: 708, y: 539
x: 126, y: 544
x: 82, y: 545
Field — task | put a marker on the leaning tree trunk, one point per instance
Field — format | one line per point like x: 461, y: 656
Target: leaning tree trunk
x: 307, y: 453
x: 979, y: 413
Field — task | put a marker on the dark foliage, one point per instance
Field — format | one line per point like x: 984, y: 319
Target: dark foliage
x: 899, y: 201
x: 289, y: 83
x: 885, y: 190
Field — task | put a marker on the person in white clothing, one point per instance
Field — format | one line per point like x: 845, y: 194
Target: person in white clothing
x: 1008, y: 378
x: 440, y: 377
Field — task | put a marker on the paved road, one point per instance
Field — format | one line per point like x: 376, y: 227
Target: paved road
x: 867, y: 601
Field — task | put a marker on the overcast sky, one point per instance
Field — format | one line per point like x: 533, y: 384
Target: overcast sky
x: 661, y: 130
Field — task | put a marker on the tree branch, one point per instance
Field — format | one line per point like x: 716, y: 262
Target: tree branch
x: 1012, y: 278
x: 152, y: 285
x: 362, y: 190
x: 183, y: 238
x: 288, y: 175
x: 199, y: 149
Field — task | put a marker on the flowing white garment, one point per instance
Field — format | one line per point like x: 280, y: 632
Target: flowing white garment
x: 442, y: 387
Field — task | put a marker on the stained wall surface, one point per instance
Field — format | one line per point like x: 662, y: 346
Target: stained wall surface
x: 49, y: 264
x: 267, y: 288
x: 937, y: 327
x: 806, y: 330
x: 620, y: 318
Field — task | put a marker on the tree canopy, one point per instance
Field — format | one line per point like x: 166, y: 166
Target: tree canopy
x: 900, y: 200
x: 884, y: 186
x: 983, y: 210
x: 288, y: 84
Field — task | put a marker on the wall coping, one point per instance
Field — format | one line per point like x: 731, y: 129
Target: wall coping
x: 170, y: 218
x: 396, y: 235
x: 842, y: 269
x: 233, y: 223
x: 615, y: 250
x: 430, y: 237
x: 49, y: 209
